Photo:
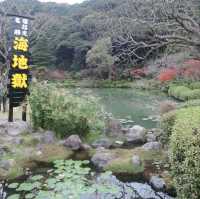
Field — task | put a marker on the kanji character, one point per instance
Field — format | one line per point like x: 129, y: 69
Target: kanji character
x: 21, y: 43
x: 17, y: 20
x: 25, y: 33
x: 25, y: 21
x: 24, y: 27
x: 19, y: 80
x: 20, y: 61
x: 17, y: 32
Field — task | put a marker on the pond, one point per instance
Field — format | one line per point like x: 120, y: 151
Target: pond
x: 132, y: 105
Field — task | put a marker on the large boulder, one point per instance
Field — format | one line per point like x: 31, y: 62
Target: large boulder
x: 151, y: 137
x: 73, y: 142
x: 157, y: 183
x: 101, y: 158
x: 14, y: 128
x: 152, y: 146
x: 136, y: 135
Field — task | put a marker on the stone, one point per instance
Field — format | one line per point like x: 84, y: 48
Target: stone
x: 17, y: 141
x: 113, y: 126
x: 136, y: 160
x: 150, y: 137
x: 4, y: 150
x: 14, y: 128
x: 101, y: 158
x: 143, y: 191
x: 104, y: 142
x: 73, y: 142
x: 7, y: 164
x: 48, y: 137
x: 125, y: 130
x: 136, y: 135
x: 152, y: 146
x: 125, y: 190
x: 157, y: 183
x: 48, y: 153
x: 117, y: 144
x: 86, y: 147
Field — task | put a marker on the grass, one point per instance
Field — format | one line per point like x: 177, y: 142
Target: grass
x: 123, y: 162
x: 88, y: 83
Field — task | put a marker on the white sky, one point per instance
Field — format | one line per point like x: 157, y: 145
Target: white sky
x: 64, y: 1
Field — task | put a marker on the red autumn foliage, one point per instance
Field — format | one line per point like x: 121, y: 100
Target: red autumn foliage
x: 138, y: 73
x: 191, y: 69
x: 168, y: 74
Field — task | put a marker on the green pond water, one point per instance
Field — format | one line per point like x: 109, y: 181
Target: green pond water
x: 135, y: 106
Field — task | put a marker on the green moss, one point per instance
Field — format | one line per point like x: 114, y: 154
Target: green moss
x: 29, y: 140
x: 28, y: 157
x: 50, y: 153
x: 124, y: 166
x: 194, y: 85
x: 15, y: 172
x: 123, y: 162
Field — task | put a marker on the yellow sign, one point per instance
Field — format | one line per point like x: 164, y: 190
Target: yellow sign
x: 21, y: 43
x: 19, y: 80
x: 20, y: 62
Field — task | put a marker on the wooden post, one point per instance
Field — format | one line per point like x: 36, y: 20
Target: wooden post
x: 24, y: 109
x: 10, y: 114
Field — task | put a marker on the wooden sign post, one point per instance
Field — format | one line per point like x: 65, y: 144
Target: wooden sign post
x: 19, y: 71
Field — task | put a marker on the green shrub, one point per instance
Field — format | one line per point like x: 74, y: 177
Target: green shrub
x: 194, y: 94
x: 191, y: 103
x: 63, y: 112
x: 194, y: 85
x: 184, y: 153
x: 179, y: 92
x: 166, y: 124
x: 184, y: 93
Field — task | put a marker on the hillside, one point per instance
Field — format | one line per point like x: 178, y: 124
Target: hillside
x: 107, y: 35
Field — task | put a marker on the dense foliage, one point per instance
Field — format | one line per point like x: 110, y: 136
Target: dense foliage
x: 166, y: 124
x: 69, y: 179
x: 63, y: 112
x: 184, y: 153
x: 107, y: 34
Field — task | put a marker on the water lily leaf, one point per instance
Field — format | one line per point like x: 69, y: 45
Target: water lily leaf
x: 37, y: 177
x: 13, y: 185
x: 15, y: 196
x: 29, y: 196
x: 26, y: 187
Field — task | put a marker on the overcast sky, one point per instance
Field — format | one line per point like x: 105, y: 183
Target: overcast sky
x: 64, y: 1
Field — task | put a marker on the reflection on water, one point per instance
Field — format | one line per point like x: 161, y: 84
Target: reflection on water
x: 134, y: 106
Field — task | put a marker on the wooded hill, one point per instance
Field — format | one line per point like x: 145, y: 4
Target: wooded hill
x: 106, y: 33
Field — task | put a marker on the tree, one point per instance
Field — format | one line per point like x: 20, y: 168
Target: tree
x: 100, y: 57
x: 146, y: 26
